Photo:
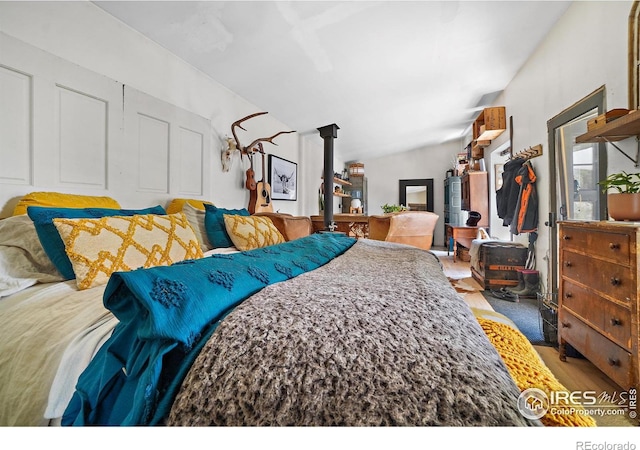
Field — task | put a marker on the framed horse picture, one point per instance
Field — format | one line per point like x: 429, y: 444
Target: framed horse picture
x: 283, y: 178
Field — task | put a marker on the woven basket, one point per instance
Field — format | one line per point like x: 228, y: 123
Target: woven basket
x: 356, y: 170
x: 463, y: 254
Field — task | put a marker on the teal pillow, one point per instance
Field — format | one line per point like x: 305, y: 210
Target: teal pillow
x: 52, y: 242
x: 214, y: 225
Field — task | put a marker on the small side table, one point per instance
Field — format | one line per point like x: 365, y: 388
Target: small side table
x: 455, y: 233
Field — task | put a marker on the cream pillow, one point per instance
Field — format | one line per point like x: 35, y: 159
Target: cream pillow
x: 195, y: 217
x: 23, y: 261
x: 249, y: 232
x: 99, y: 247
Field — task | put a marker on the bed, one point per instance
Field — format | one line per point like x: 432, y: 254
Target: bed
x: 318, y: 330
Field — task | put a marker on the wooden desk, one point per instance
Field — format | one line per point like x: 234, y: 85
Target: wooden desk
x: 355, y: 225
x: 457, y: 234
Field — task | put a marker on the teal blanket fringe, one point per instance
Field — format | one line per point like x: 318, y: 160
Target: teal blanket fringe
x: 166, y: 314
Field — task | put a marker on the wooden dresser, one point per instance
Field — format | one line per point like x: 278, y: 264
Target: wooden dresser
x: 598, y: 298
x: 475, y: 195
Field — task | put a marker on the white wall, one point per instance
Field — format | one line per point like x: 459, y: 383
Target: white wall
x: 84, y: 34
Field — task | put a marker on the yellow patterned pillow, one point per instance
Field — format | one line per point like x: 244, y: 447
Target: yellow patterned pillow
x: 177, y: 204
x: 99, y: 247
x: 59, y: 199
x: 249, y: 232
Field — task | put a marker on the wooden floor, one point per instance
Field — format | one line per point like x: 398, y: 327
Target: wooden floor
x: 575, y: 374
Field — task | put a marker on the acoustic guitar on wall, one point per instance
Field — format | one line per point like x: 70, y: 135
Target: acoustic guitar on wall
x: 251, y: 175
x: 263, y: 189
x: 251, y: 185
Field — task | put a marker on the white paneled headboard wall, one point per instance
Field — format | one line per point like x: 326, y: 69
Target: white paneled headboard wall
x: 64, y: 128
x: 172, y: 148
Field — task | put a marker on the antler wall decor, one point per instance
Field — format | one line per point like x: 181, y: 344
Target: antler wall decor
x: 227, y: 153
x: 234, y: 144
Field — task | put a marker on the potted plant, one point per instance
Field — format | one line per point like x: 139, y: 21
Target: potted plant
x: 624, y: 202
x: 387, y: 208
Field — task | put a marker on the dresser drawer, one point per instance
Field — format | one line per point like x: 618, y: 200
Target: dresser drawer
x: 608, y: 278
x: 613, y: 320
x: 607, y: 245
x: 604, y: 354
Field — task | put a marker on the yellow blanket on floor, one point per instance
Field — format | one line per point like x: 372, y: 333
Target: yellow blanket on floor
x: 529, y: 371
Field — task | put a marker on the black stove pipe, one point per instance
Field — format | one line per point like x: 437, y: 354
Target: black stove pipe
x: 328, y: 133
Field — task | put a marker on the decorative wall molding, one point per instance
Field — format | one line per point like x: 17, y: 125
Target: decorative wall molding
x: 81, y: 135
x: 192, y: 154
x: 152, y: 154
x: 65, y: 128
x: 15, y: 127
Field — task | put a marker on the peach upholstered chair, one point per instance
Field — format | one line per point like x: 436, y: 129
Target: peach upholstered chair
x: 291, y: 227
x: 405, y: 227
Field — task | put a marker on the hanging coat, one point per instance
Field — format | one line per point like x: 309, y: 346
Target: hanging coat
x: 526, y: 213
x: 507, y: 195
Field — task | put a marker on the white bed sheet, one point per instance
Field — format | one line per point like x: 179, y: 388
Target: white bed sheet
x: 36, y: 326
x: 48, y: 334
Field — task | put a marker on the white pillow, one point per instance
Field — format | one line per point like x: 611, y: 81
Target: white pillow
x: 23, y: 261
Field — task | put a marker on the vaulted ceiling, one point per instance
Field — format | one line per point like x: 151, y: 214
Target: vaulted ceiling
x: 393, y: 75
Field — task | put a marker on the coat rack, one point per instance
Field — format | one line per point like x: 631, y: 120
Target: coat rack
x: 531, y: 152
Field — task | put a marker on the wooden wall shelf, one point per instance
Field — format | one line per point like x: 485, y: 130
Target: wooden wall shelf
x: 490, y: 124
x: 616, y: 130
x: 339, y: 181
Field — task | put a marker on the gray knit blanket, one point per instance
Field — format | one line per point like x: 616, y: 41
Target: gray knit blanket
x: 376, y: 337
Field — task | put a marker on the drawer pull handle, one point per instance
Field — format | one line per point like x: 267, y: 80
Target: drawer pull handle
x: 614, y: 362
x: 614, y: 246
x: 615, y: 281
x: 566, y: 237
x: 567, y: 264
x: 616, y: 322
x: 568, y: 295
x: 566, y: 325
